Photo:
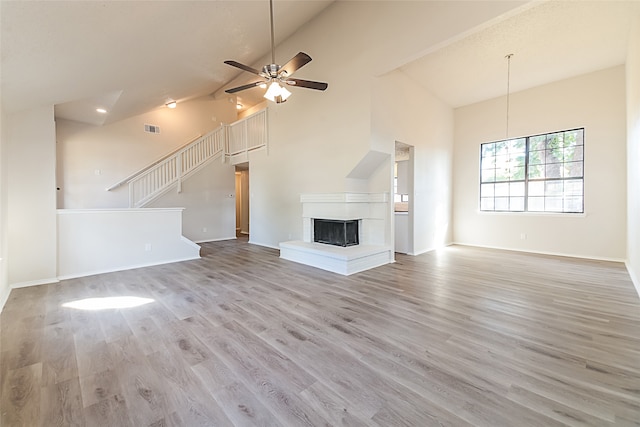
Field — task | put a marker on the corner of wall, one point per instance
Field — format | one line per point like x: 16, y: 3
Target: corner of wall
x: 635, y: 279
x: 633, y: 151
x: 5, y: 290
x: 30, y: 190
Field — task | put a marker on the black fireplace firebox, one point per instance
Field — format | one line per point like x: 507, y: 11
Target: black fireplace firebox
x: 336, y: 232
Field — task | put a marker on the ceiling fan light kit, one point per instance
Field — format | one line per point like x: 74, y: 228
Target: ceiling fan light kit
x: 276, y: 77
x: 277, y: 93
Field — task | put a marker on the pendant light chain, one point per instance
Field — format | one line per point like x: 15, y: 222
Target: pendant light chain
x: 508, y: 57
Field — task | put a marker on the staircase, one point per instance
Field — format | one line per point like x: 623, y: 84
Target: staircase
x: 229, y: 143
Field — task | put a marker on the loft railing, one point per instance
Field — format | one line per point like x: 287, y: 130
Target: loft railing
x: 245, y: 136
x: 230, y: 143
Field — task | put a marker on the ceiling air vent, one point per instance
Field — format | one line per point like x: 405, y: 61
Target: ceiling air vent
x: 152, y: 128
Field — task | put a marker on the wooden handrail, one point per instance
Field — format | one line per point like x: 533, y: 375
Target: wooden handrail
x: 150, y: 165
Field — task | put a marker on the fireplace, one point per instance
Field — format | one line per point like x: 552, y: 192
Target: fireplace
x: 336, y: 232
x: 351, y: 227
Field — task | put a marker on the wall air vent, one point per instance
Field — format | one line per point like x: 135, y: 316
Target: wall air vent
x: 152, y: 128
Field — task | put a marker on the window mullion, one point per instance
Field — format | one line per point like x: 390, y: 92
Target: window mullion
x: 545, y: 167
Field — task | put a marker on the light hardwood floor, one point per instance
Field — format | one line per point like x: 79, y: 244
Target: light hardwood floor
x: 461, y: 336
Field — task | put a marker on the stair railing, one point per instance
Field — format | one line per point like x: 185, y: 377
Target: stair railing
x: 152, y: 164
x: 173, y: 170
x: 231, y: 143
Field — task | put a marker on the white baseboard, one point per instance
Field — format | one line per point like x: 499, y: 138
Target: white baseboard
x: 264, y: 245
x: 191, y: 243
x: 531, y: 251
x: 634, y: 278
x: 129, y: 267
x: 424, y: 251
x: 215, y: 240
x: 34, y: 283
x: 4, y: 298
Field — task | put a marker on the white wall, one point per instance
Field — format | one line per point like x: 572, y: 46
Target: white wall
x: 119, y: 149
x: 633, y: 153
x: 403, y: 111
x: 5, y: 289
x: 316, y: 139
x: 595, y: 101
x: 208, y: 196
x: 103, y: 240
x: 31, y: 197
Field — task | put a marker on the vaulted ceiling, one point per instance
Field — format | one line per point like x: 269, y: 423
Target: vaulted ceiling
x: 549, y: 40
x: 131, y: 57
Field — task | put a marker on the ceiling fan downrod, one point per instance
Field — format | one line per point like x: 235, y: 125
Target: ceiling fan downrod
x: 273, y: 45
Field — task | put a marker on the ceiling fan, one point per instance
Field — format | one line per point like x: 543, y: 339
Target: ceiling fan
x: 275, y: 76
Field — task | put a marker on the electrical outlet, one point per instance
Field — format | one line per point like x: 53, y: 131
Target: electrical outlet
x: 204, y: 229
x: 523, y: 236
x: 147, y: 247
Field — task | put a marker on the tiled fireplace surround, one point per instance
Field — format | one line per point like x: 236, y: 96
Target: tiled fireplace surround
x: 370, y: 209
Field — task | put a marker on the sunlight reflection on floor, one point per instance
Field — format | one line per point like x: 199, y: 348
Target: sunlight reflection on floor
x: 105, y: 303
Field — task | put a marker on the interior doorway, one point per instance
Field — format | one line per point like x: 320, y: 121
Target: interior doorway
x: 403, y: 198
x: 242, y: 200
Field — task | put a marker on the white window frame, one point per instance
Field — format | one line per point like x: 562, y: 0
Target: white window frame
x: 541, y: 173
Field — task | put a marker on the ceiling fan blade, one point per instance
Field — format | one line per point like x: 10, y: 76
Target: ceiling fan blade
x: 242, y: 67
x: 243, y: 87
x: 295, y: 63
x: 307, y: 83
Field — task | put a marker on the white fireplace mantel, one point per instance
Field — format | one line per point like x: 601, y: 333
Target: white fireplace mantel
x: 344, y: 198
x: 371, y: 209
x: 372, y: 212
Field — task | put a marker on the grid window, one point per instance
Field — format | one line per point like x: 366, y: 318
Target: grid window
x: 541, y: 173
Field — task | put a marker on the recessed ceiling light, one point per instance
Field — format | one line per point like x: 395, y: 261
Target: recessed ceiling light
x: 239, y: 106
x: 172, y: 104
x: 101, y: 110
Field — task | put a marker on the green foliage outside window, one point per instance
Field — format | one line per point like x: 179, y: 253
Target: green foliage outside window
x: 541, y: 173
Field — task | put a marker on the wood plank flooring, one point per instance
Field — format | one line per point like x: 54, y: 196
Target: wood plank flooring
x: 457, y: 337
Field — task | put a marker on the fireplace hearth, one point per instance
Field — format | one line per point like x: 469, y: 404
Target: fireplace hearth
x: 336, y: 232
x: 351, y: 227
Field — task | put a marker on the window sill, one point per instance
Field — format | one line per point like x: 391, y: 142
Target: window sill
x: 546, y: 214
